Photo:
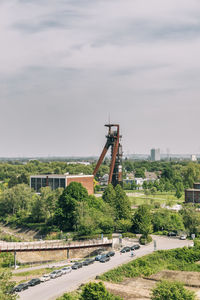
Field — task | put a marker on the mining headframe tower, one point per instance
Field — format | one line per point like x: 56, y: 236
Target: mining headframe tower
x: 113, y: 141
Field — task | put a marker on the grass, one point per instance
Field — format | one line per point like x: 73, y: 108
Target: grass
x: 37, y: 272
x: 183, y: 259
x: 161, y: 197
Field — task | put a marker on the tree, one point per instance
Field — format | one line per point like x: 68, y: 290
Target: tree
x: 142, y: 221
x: 191, y: 219
x: 6, y: 286
x: 13, y: 181
x: 109, y: 195
x: 15, y: 199
x: 73, y: 196
x: 179, y: 190
x: 122, y: 204
x: 164, y: 219
x: 166, y: 290
x: 96, y: 291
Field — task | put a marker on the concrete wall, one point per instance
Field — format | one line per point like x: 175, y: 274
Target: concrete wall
x: 56, y: 255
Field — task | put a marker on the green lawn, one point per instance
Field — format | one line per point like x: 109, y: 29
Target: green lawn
x: 167, y: 198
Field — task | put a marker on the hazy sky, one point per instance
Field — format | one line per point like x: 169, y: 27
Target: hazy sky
x: 65, y: 65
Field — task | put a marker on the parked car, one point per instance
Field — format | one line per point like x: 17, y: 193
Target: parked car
x: 77, y: 265
x: 135, y: 247
x: 34, y: 282
x: 98, y: 257
x: 172, y: 233
x: 86, y: 262
x: 91, y: 260
x: 110, y: 253
x: 66, y: 270
x: 45, y: 277
x: 125, y: 249
x: 54, y: 274
x: 104, y: 259
x: 20, y: 287
x: 183, y: 237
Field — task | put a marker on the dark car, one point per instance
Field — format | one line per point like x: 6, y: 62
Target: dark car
x: 110, y: 253
x: 125, y: 249
x: 77, y: 265
x: 86, y: 262
x: 20, y: 287
x: 34, y: 281
x: 172, y: 233
x: 135, y: 247
x: 104, y: 259
x: 98, y: 257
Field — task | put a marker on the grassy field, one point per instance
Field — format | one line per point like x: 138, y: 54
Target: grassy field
x: 168, y: 198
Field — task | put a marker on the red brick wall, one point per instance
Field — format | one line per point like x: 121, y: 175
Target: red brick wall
x: 87, y: 182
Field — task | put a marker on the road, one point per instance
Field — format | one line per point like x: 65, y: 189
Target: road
x: 56, y: 287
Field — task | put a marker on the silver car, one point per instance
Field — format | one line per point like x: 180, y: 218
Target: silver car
x: 45, y: 277
x: 66, y: 270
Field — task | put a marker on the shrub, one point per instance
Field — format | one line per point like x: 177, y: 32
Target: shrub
x: 128, y: 235
x: 143, y: 240
x: 96, y: 291
x: 166, y: 290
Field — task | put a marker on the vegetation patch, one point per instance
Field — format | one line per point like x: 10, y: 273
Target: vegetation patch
x: 176, y: 259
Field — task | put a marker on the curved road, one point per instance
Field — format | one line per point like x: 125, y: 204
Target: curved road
x: 56, y: 287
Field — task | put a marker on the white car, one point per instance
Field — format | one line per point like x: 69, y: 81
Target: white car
x: 183, y: 237
x: 66, y: 270
x: 45, y: 277
x: 54, y: 274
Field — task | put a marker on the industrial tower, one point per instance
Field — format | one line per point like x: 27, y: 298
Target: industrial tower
x: 113, y: 140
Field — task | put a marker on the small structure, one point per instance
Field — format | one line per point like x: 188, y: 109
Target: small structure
x: 193, y: 195
x: 55, y: 181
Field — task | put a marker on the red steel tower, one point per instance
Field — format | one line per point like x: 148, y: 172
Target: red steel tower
x: 113, y: 141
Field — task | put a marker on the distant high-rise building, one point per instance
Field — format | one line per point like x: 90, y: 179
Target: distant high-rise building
x: 193, y: 157
x: 155, y: 154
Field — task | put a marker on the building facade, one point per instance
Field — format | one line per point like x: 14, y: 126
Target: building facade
x: 193, y: 195
x: 155, y: 154
x: 55, y: 181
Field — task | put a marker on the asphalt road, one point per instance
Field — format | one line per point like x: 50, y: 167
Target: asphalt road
x: 56, y: 287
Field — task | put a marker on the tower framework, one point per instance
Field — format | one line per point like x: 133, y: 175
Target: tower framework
x: 113, y: 141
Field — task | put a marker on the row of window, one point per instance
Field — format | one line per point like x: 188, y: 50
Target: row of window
x: 53, y: 183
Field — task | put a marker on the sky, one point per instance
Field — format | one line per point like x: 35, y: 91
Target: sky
x: 68, y: 66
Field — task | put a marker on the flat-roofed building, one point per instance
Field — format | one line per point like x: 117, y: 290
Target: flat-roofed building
x: 193, y: 195
x: 55, y: 181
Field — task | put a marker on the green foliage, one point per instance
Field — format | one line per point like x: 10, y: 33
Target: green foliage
x: 145, y: 239
x: 96, y: 291
x: 142, y: 221
x: 176, y: 259
x: 164, y: 219
x: 68, y: 205
x: 191, y: 219
x: 6, y: 286
x: 109, y: 195
x: 122, y: 204
x: 167, y: 290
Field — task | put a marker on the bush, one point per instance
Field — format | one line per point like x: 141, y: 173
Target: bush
x: 129, y: 235
x: 166, y: 290
x: 96, y: 291
x: 143, y: 240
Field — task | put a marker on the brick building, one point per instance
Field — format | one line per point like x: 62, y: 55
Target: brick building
x: 55, y: 181
x: 193, y: 195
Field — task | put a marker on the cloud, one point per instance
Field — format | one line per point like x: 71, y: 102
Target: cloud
x: 72, y: 62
